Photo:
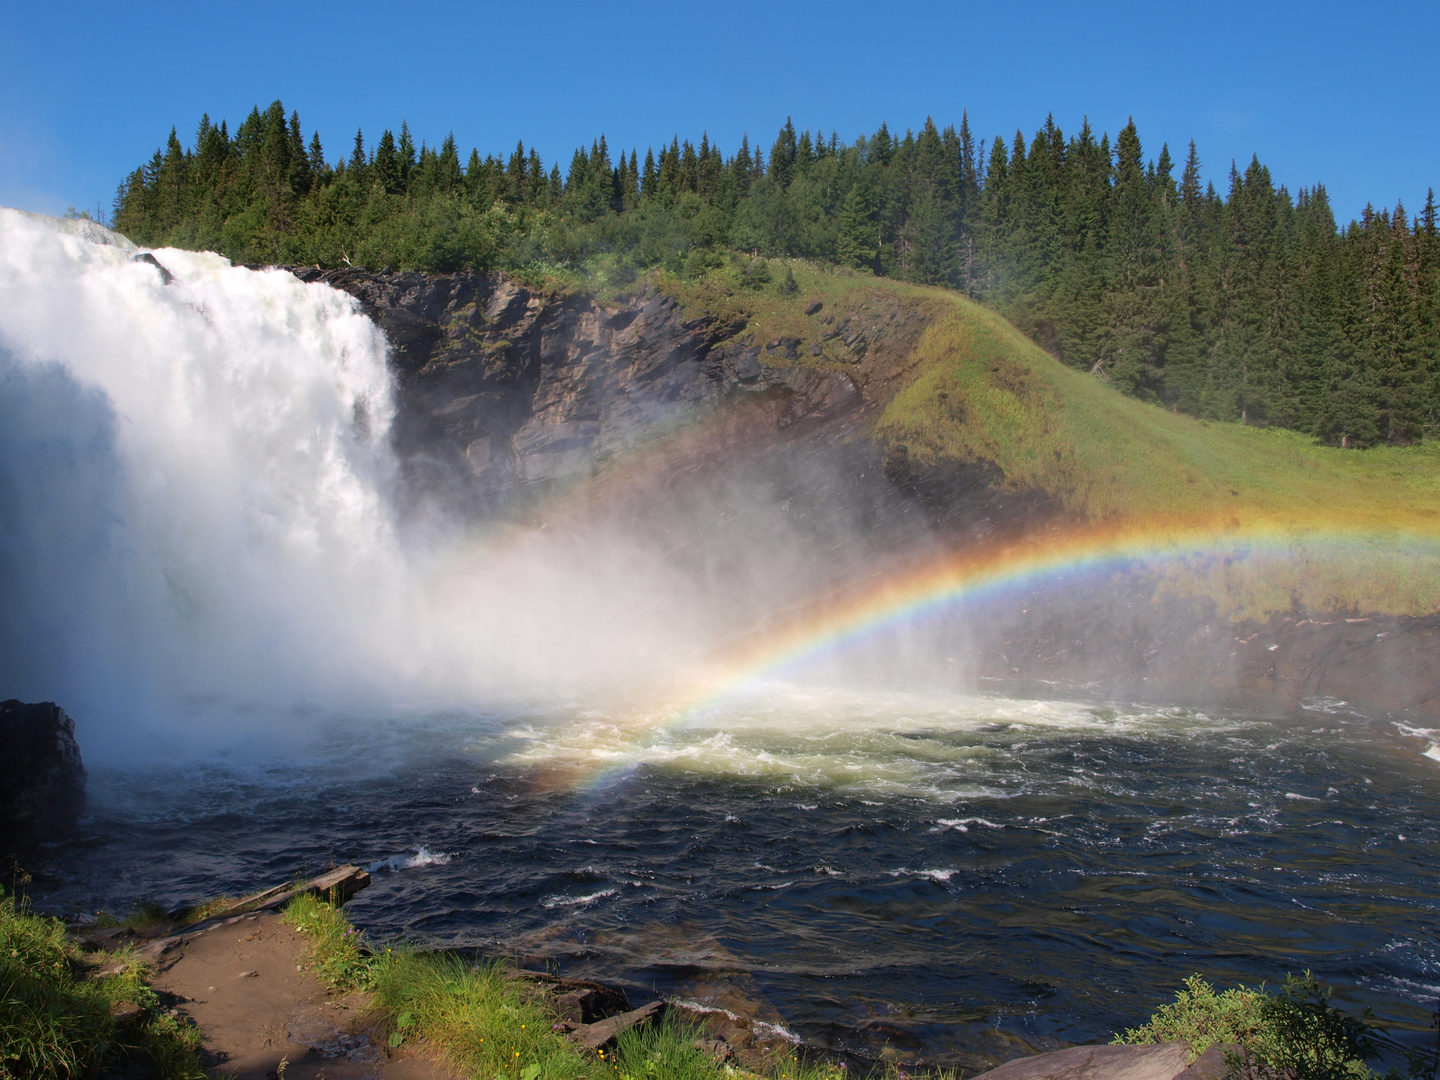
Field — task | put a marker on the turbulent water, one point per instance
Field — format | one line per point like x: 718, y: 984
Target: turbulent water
x: 272, y: 672
x: 933, y: 874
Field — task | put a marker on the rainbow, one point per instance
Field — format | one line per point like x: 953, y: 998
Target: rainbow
x: 839, y: 622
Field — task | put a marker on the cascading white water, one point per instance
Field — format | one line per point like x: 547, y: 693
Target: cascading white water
x: 196, y: 527
x: 193, y: 478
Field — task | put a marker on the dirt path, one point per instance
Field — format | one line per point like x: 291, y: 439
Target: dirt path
x: 248, y: 988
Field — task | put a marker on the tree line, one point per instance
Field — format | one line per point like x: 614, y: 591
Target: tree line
x: 1250, y: 305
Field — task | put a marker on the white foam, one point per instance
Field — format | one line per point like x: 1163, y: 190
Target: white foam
x: 756, y: 1025
x: 962, y: 824
x: 940, y: 876
x: 421, y: 857
x: 576, y: 901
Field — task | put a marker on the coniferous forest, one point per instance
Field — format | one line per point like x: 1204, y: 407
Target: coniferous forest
x: 1250, y: 304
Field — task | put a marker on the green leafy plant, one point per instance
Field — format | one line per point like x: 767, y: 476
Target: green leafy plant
x: 1297, y: 1033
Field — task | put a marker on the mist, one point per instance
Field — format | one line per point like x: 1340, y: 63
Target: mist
x: 202, y: 549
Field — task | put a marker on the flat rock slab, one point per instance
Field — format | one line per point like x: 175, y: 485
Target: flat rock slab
x: 1163, y: 1061
x: 243, y: 985
x: 1213, y: 1064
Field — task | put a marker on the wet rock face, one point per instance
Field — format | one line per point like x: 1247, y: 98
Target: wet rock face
x: 503, y: 391
x: 42, y: 782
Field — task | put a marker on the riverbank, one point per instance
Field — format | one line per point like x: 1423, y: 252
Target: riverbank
x: 265, y: 994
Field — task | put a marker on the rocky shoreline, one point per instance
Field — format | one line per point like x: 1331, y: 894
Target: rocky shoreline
x: 249, y: 983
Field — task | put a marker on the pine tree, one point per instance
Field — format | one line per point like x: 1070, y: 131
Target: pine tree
x: 357, y: 157
x: 404, y: 157
x: 386, y: 163
x: 782, y: 156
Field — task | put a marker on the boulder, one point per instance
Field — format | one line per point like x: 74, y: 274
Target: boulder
x: 1213, y: 1064
x: 166, y: 277
x: 1164, y: 1061
x: 42, y: 781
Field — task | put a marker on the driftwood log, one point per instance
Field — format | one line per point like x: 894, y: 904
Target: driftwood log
x: 337, y: 886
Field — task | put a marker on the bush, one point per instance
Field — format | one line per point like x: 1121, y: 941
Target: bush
x: 1297, y: 1033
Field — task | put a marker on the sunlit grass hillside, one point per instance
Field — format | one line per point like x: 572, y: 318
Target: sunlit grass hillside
x: 1353, y: 529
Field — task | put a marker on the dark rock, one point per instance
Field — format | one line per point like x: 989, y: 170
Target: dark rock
x: 716, y: 1049
x: 1163, y: 1061
x: 145, y: 257
x: 813, y: 307
x: 576, y: 1001
x: 42, y: 781
x: 788, y: 347
x: 747, y: 367
x: 126, y: 1012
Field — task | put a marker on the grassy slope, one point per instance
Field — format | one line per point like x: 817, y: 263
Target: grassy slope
x: 57, y: 1009
x: 980, y: 390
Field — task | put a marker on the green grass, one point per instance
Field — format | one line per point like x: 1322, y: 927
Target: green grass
x: 1107, y: 455
x: 490, y: 1027
x: 55, y: 1014
x: 1351, y: 530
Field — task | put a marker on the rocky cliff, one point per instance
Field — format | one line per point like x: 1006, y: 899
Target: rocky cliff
x: 42, y: 782
x: 506, y: 394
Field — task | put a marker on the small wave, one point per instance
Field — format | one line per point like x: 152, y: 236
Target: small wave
x: 963, y: 824
x: 939, y: 876
x: 576, y: 901
x: 755, y: 1025
x: 422, y: 857
x: 1295, y: 795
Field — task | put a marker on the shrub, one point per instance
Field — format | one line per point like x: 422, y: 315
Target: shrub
x: 1296, y: 1033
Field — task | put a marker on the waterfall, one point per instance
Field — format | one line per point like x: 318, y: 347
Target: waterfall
x: 192, y: 479
x: 197, y: 534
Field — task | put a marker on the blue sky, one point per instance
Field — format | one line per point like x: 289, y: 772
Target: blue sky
x: 1340, y: 93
